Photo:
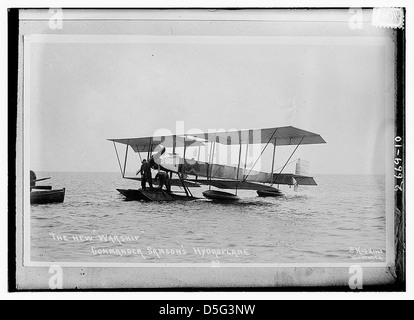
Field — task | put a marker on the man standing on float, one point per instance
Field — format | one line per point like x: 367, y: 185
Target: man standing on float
x: 145, y: 174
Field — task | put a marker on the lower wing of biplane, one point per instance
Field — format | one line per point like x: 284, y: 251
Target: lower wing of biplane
x: 193, y: 173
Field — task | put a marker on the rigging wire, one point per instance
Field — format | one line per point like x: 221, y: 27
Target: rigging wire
x: 286, y: 165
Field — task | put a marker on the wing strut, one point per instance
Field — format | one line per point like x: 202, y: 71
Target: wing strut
x: 119, y: 161
x: 287, y: 160
x: 238, y: 166
x: 185, y: 151
x: 187, y: 190
x: 245, y: 178
x: 273, y: 162
x: 149, y: 150
x: 174, y: 146
x: 126, y: 158
x: 210, y: 166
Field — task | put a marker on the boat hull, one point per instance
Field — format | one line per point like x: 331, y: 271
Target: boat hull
x: 269, y: 193
x: 151, y: 195
x: 220, y: 196
x: 45, y: 197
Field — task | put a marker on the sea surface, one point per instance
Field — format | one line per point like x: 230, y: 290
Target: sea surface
x: 341, y: 220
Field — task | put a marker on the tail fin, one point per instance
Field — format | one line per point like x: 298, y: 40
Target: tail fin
x: 302, y: 167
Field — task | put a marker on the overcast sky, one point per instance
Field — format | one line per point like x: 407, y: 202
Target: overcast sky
x: 84, y: 93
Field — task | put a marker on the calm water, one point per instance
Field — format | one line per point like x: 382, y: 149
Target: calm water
x: 313, y: 225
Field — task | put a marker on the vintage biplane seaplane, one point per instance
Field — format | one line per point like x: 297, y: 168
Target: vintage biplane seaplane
x: 188, y: 173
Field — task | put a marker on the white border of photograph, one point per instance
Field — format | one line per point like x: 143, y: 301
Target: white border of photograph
x: 26, y: 276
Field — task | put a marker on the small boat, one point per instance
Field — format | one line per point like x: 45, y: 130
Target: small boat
x: 49, y: 196
x: 269, y: 193
x: 220, y: 195
x: 151, y: 195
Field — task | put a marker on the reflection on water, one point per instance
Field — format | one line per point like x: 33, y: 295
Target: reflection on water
x: 314, y: 225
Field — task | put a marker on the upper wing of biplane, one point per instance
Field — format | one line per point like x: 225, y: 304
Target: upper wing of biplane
x: 279, y: 136
x: 146, y: 144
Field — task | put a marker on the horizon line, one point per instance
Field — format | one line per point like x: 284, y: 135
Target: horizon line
x: 117, y: 172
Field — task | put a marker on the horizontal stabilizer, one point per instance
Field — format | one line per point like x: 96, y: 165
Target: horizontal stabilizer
x: 292, y: 179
